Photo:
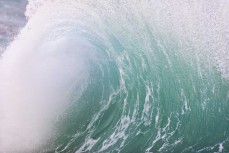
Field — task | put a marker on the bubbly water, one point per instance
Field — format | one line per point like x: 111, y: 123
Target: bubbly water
x: 126, y: 76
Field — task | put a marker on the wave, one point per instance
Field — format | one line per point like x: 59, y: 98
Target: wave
x: 117, y: 76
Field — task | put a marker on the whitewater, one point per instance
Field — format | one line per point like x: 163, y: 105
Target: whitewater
x: 117, y: 76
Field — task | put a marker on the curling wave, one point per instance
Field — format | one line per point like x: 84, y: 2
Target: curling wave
x: 117, y: 76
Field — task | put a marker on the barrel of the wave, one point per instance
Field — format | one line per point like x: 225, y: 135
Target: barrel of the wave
x: 150, y: 99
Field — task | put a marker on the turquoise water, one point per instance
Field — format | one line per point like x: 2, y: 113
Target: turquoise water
x: 118, y: 76
x: 147, y: 100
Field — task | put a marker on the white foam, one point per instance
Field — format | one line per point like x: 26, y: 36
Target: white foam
x: 38, y: 73
x: 221, y: 147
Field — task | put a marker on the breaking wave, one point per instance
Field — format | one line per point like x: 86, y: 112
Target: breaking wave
x: 117, y: 76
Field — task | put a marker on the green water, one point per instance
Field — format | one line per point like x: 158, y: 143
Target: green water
x: 148, y: 99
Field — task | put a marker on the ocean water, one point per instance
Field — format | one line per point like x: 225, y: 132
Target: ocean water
x: 116, y: 76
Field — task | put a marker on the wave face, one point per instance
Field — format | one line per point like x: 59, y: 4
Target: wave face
x: 117, y: 76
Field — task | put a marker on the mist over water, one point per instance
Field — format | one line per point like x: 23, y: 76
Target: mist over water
x: 117, y: 76
x: 12, y: 18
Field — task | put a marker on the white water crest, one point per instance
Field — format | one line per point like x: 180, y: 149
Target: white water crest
x: 38, y: 73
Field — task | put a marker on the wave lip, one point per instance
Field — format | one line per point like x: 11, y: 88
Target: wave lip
x: 37, y: 83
